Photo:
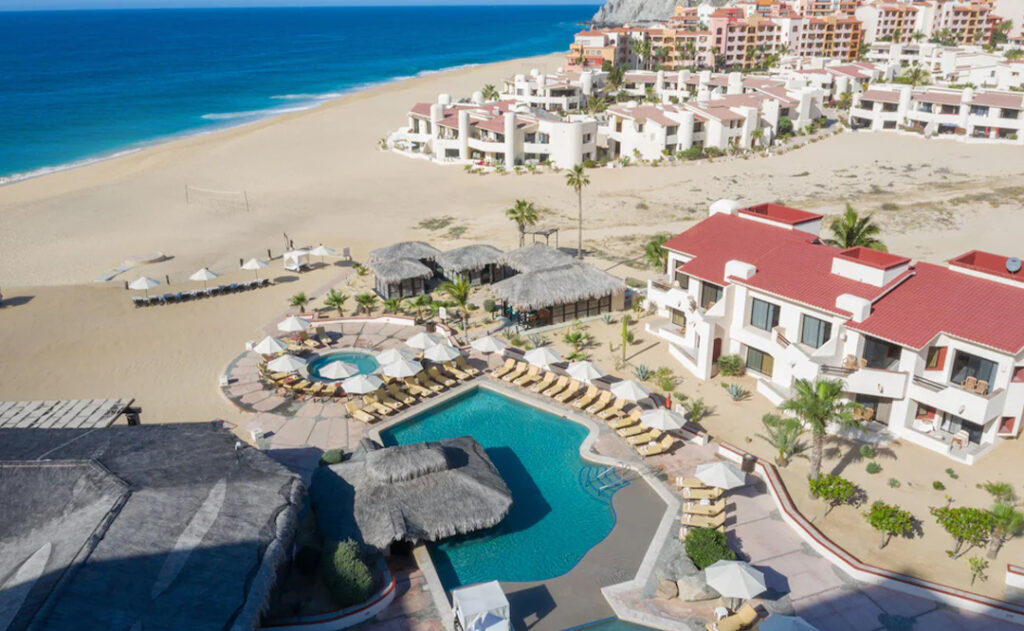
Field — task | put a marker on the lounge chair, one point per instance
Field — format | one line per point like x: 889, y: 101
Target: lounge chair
x: 557, y: 388
x: 626, y: 432
x: 330, y: 391
x: 417, y: 389
x: 620, y: 423
x: 464, y: 366
x: 510, y: 365
x: 278, y: 376
x: 436, y: 375
x: 690, y: 483
x: 571, y: 391
x: 708, y: 510
x: 322, y: 336
x: 519, y: 371
x: 358, y: 414
x: 742, y: 619
x: 587, y: 398
x: 645, y: 439
x: 371, y: 403
x: 301, y: 385
x: 614, y: 411
x: 702, y: 521
x: 604, y: 401
x: 702, y: 494
x: 426, y: 382
x: 308, y: 341
x: 384, y: 399
x: 532, y: 374
x: 545, y: 383
x: 394, y: 391
x: 455, y: 372
x: 315, y: 388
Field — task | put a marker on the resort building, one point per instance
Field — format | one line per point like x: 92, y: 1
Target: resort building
x: 953, y: 21
x: 934, y: 111
x: 404, y: 269
x: 558, y: 92
x: 934, y: 353
x: 834, y: 79
x: 477, y: 264
x: 599, y: 48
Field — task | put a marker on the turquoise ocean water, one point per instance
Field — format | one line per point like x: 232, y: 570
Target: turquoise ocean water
x: 80, y: 85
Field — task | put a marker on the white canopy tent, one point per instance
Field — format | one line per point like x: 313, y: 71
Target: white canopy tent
x: 296, y: 260
x: 481, y: 607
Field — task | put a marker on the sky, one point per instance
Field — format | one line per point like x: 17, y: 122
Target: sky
x: 39, y: 5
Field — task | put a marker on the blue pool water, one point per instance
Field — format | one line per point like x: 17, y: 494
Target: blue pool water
x: 364, y: 361
x: 610, y: 624
x: 559, y: 510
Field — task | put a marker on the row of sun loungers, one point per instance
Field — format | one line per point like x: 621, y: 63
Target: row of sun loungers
x: 396, y: 394
x: 196, y: 294
x: 305, y: 342
x: 744, y: 618
x: 704, y: 506
x: 647, y: 441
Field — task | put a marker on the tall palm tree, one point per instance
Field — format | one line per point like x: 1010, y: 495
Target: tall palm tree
x: 490, y: 93
x: 576, y: 179
x: 300, y: 300
x: 367, y: 301
x: 393, y: 305
x: 419, y: 303
x: 336, y: 300
x: 615, y: 78
x: 458, y: 291
x: 916, y: 75
x: 851, y: 230
x: 657, y: 256
x: 1009, y: 522
x: 818, y: 404
x: 642, y: 49
x: 523, y: 214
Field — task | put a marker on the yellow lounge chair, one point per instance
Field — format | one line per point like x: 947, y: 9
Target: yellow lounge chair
x: 557, y: 388
x: 384, y: 399
x: 394, y: 391
x: 708, y: 510
x: 628, y: 431
x: 587, y: 398
x: 520, y: 370
x: 702, y: 494
x: 370, y: 403
x: 455, y: 372
x: 417, y: 389
x: 510, y: 365
x: 435, y: 375
x: 545, y: 383
x: 644, y: 439
x: 702, y: 521
x: 330, y: 391
x: 614, y: 410
x: 621, y: 423
x: 604, y: 401
x: 690, y: 483
x: 301, y: 385
x: 322, y: 337
x: 571, y: 391
x: 358, y: 414
x: 315, y: 388
x: 742, y: 619
x: 531, y: 375
x: 426, y: 382
x: 464, y: 366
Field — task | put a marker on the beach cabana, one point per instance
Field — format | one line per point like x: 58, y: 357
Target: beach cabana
x: 481, y: 607
x: 533, y: 257
x: 560, y: 294
x: 478, y: 264
x: 400, y: 278
x: 296, y: 260
x: 410, y: 493
x: 416, y: 250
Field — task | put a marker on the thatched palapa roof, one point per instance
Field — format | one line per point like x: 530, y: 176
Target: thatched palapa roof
x: 397, y: 270
x: 413, y: 493
x: 535, y: 256
x: 560, y: 285
x: 416, y: 250
x: 469, y: 258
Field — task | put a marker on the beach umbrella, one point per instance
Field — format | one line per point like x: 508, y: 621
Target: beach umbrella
x: 542, y: 356
x: 255, y: 265
x: 270, y: 345
x: 402, y: 368
x: 441, y: 353
x: 488, y: 344
x: 423, y: 341
x: 583, y: 371
x: 293, y: 324
x: 287, y: 363
x: 735, y: 579
x: 323, y: 251
x: 393, y: 355
x: 786, y: 623
x: 143, y: 283
x: 663, y: 419
x: 629, y: 390
x: 339, y: 370
x: 721, y: 474
x: 205, y: 275
x: 361, y: 384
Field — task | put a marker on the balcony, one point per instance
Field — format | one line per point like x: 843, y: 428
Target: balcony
x: 972, y: 406
x: 665, y: 296
x: 875, y: 382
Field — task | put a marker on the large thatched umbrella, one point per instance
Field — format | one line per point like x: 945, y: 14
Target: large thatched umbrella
x: 559, y: 285
x: 469, y: 258
x: 535, y: 256
x: 397, y: 270
x: 416, y: 250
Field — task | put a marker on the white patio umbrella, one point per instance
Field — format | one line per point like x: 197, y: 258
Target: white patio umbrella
x: 402, y: 368
x: 205, y: 275
x: 287, y: 363
x: 542, y: 356
x: 441, y: 353
x: 143, y: 283
x: 393, y: 355
x: 361, y: 384
x: 423, y: 341
x: 323, y: 251
x: 488, y: 344
x: 293, y: 324
x: 663, y: 419
x: 721, y: 474
x: 735, y: 579
x: 584, y: 371
x: 339, y: 370
x: 269, y: 345
x: 255, y: 265
x: 629, y: 390
x: 775, y: 622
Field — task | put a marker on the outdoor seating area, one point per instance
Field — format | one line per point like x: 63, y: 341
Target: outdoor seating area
x: 197, y: 294
x: 704, y: 504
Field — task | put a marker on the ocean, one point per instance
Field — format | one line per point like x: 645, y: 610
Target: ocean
x: 77, y: 86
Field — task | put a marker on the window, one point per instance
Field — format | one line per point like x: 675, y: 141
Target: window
x: 678, y: 318
x: 881, y: 354
x: 966, y: 365
x: 586, y: 139
x: 814, y: 332
x: 709, y: 295
x: 936, y: 358
x: 764, y: 315
x: 759, y: 361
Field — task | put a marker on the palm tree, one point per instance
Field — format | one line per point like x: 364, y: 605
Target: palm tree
x: 845, y: 100
x: 1016, y: 53
x: 916, y: 75
x: 367, y: 301
x: 393, y: 305
x: 300, y: 300
x: 1009, y: 522
x: 657, y: 256
x: 852, y: 230
x: 523, y: 214
x: 576, y: 179
x: 336, y: 300
x: 615, y: 78
x: 458, y: 291
x: 818, y: 404
x: 642, y: 49
x: 490, y: 93
x: 417, y: 304
x: 784, y: 435
x: 756, y: 136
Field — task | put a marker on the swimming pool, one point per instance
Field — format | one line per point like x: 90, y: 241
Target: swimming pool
x: 561, y: 504
x: 365, y: 362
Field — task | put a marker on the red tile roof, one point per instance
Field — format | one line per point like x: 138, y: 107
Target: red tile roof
x: 939, y: 300
x: 987, y: 263
x: 873, y: 258
x: 997, y: 99
x: 781, y: 214
x: 882, y: 96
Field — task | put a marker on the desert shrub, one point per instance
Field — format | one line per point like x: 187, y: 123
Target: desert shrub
x: 706, y: 547
x: 894, y: 483
x: 867, y: 452
x: 873, y: 467
x: 736, y: 392
x: 642, y: 372
x: 938, y: 486
x: 730, y: 365
x: 489, y: 305
x: 332, y: 456
x: 834, y: 490
x: 951, y: 473
x: 346, y: 574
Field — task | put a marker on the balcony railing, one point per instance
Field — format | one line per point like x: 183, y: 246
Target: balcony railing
x: 934, y: 386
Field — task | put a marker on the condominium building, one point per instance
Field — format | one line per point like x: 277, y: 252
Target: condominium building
x: 823, y: 8
x: 554, y: 92
x: 933, y: 353
x: 962, y: 21
x: 597, y: 48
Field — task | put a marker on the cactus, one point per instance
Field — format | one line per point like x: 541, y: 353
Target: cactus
x: 735, y: 391
x: 642, y: 372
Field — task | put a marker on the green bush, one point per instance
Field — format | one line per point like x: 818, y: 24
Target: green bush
x: 489, y: 305
x: 938, y: 486
x: 346, y: 574
x: 332, y: 456
x: 894, y: 483
x: 867, y: 452
x: 873, y: 467
x: 951, y: 473
x: 730, y: 365
x: 706, y: 547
